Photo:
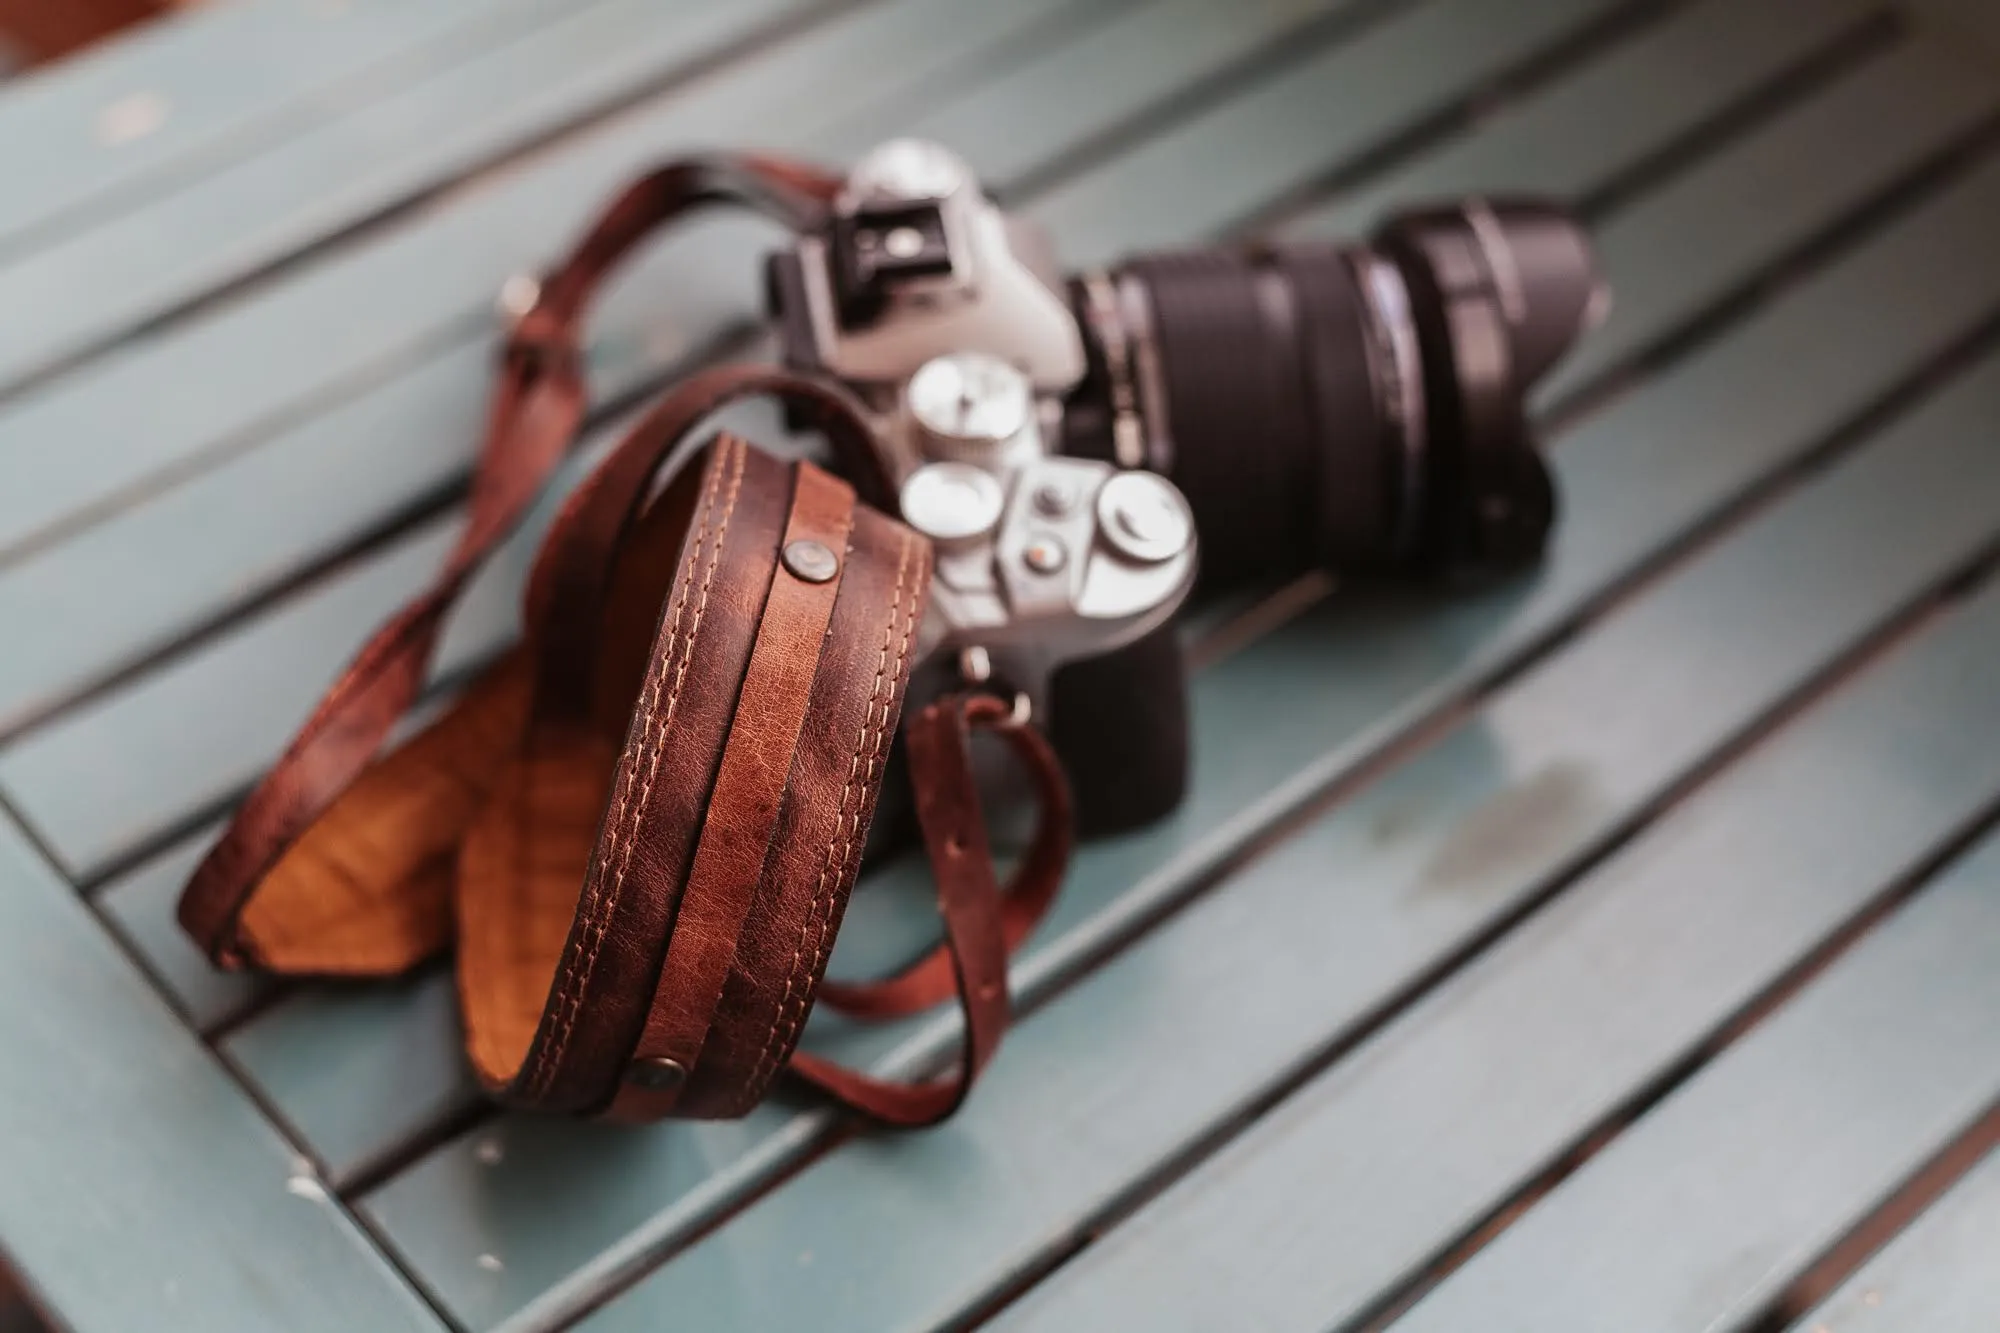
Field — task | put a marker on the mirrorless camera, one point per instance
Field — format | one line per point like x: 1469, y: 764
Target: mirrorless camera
x: 1065, y: 440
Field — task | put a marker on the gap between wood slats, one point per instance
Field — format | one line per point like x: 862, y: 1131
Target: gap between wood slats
x: 1958, y: 1159
x: 463, y: 34
x: 305, y: 1163
x: 1546, y: 65
x: 1812, y: 253
x: 413, y: 202
x: 1782, y: 988
x: 372, y: 220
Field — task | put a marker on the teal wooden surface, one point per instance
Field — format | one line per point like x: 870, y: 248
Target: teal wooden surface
x: 1324, y: 108
x: 1576, y: 136
x: 1731, y: 1186
x: 140, y: 906
x: 1743, y: 208
x: 129, y: 118
x: 1427, y: 1129
x: 1937, y: 1275
x: 369, y: 1130
x: 95, y: 286
x: 1274, y: 965
x: 1273, y: 724
x: 1013, y: 130
x: 140, y: 418
x: 196, y: 482
x: 143, y: 1188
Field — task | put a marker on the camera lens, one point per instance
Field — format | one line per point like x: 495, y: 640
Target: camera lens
x: 1353, y: 406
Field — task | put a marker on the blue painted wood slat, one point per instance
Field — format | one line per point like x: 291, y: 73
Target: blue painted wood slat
x: 128, y: 1151
x: 1171, y: 1041
x: 1938, y: 1274
x: 89, y: 289
x: 1323, y: 109
x: 1273, y: 724
x: 140, y: 905
x: 124, y: 121
x: 1633, y: 101
x: 1708, y: 237
x: 1707, y: 1207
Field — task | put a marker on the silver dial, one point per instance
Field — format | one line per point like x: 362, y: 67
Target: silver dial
x: 952, y: 503
x: 968, y: 398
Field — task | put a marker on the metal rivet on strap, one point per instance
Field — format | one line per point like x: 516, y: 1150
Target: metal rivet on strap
x: 811, y: 561
x: 656, y: 1073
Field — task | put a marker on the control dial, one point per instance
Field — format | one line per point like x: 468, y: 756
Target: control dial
x: 966, y: 405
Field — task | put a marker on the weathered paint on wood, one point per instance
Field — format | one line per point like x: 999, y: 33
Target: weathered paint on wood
x: 144, y: 1189
x: 1325, y: 108
x: 1423, y: 1132
x: 366, y: 1131
x: 127, y: 120
x: 90, y: 289
x: 1273, y: 966
x: 1011, y: 130
x: 1707, y: 1206
x: 1574, y: 137
x: 1938, y: 1275
x: 1745, y: 207
x: 1273, y: 724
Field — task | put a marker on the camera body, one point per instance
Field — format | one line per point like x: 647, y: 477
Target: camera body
x: 917, y: 298
x: 1063, y: 440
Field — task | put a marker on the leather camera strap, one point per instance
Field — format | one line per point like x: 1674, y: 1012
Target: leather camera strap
x: 343, y: 859
x: 536, y: 412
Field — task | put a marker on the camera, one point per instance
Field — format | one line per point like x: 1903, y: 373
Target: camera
x: 1356, y: 407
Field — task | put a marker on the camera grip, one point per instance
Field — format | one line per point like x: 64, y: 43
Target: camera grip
x: 1120, y: 726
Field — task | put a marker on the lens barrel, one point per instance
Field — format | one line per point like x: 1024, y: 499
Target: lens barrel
x: 1353, y: 407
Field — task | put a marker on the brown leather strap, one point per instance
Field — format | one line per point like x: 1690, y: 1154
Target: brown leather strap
x: 1030, y: 891
x: 743, y: 810
x: 976, y: 940
x: 535, y: 414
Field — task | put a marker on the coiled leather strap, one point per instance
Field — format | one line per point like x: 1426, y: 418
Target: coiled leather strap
x: 345, y: 862
x: 537, y: 408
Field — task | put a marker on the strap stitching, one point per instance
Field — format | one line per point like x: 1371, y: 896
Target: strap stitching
x: 831, y: 874
x: 622, y: 825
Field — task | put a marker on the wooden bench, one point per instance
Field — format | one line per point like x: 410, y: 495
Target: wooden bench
x: 1615, y: 949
